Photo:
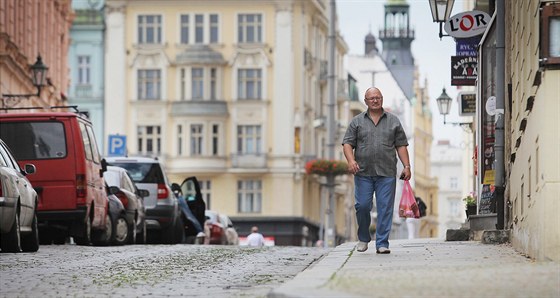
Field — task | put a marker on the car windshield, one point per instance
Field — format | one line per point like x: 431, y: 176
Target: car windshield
x: 143, y: 172
x: 35, y: 140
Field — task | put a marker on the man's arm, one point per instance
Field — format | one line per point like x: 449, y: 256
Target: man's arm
x: 402, y: 151
x: 353, y: 166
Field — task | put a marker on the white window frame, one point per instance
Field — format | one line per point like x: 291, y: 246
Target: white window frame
x: 249, y: 142
x: 211, y: 82
x: 143, y: 26
x: 243, y: 81
x: 206, y: 191
x: 144, y: 80
x: 249, y: 196
x: 207, y: 27
x: 84, y: 70
x: 144, y: 137
x: 196, y: 139
x: 243, y: 27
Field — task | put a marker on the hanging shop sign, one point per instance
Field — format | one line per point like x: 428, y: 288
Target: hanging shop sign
x: 463, y: 70
x: 467, y: 103
x: 467, y: 24
x: 467, y: 46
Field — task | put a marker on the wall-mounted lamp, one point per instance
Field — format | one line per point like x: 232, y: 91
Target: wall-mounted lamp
x: 441, y: 10
x: 38, y: 74
x: 444, y: 105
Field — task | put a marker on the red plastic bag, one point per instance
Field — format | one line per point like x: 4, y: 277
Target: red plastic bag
x: 407, y: 206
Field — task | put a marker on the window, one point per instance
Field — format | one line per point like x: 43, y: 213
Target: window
x: 453, y: 208
x: 249, y: 196
x: 149, y: 140
x: 249, y: 83
x: 205, y: 189
x: 197, y: 85
x: 453, y: 182
x: 249, y: 139
x: 86, y: 142
x: 215, y: 139
x: 84, y: 70
x: 213, y: 28
x: 34, y: 139
x: 196, y: 139
x: 249, y: 28
x: 185, y: 29
x: 199, y: 28
x: 179, y: 139
x: 200, y: 83
x: 93, y: 143
x: 550, y: 34
x: 149, y: 84
x: 149, y: 29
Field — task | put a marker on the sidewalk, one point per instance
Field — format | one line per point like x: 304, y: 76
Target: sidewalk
x: 425, y: 268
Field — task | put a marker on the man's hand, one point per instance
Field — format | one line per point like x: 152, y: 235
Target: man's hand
x: 353, y: 167
x: 406, y: 174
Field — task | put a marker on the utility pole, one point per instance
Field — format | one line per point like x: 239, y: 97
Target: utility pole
x: 330, y: 231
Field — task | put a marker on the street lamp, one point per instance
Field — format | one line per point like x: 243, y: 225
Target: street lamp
x: 444, y: 105
x: 38, y: 74
x: 441, y: 10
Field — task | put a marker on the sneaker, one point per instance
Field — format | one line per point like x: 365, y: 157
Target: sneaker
x: 362, y: 246
x: 200, y: 235
x: 383, y: 250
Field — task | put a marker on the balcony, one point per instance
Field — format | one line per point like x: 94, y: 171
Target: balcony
x: 249, y: 161
x: 84, y: 91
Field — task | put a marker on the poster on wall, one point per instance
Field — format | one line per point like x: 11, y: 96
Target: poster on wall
x: 486, y: 202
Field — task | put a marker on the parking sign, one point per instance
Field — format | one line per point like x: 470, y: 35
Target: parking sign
x: 117, y: 145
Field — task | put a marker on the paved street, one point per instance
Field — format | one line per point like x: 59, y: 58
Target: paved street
x: 151, y: 270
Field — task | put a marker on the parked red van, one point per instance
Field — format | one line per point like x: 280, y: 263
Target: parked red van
x: 69, y: 173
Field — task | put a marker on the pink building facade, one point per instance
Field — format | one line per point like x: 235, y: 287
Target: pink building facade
x: 29, y: 28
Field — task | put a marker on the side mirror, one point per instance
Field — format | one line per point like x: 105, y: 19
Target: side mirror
x: 103, y: 167
x: 29, y: 169
x: 114, y: 190
x: 143, y: 193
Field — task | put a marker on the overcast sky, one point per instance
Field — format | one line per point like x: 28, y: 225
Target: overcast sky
x: 432, y: 55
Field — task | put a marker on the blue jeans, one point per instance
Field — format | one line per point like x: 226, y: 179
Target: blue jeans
x: 384, y: 189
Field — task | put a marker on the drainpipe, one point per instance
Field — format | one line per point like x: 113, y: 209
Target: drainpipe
x: 331, y: 122
x: 500, y: 95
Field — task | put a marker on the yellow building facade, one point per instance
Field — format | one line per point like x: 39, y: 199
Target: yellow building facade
x: 234, y: 93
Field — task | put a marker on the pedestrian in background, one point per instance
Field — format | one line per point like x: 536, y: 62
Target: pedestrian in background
x: 255, y: 238
x: 369, y: 145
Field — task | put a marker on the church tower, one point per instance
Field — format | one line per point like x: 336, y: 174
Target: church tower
x: 397, y: 37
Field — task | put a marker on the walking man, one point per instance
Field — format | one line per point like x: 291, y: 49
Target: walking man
x: 369, y: 145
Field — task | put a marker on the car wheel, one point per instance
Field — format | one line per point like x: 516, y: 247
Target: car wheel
x: 103, y: 237
x: 30, y: 242
x: 120, y: 231
x: 11, y: 241
x: 85, y: 237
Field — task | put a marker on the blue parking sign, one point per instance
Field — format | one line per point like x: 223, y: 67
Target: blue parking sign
x: 117, y: 145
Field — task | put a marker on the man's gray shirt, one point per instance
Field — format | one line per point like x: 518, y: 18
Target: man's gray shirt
x: 375, y: 145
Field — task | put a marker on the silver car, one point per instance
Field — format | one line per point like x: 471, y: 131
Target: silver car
x: 133, y: 200
x: 18, y: 205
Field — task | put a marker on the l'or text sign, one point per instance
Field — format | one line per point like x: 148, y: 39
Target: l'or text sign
x: 467, y: 24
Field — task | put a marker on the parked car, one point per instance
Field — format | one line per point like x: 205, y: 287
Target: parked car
x: 69, y: 179
x: 216, y: 227
x: 121, y: 185
x: 120, y: 227
x: 18, y: 205
x: 163, y: 219
x: 232, y: 238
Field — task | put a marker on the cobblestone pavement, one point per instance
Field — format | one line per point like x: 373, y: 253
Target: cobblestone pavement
x: 152, y: 270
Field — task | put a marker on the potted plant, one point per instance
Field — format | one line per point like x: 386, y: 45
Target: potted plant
x: 470, y: 204
x: 325, y: 167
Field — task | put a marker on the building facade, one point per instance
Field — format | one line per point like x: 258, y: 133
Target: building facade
x: 447, y: 166
x: 234, y: 93
x: 28, y: 29
x: 532, y: 142
x: 86, y: 62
